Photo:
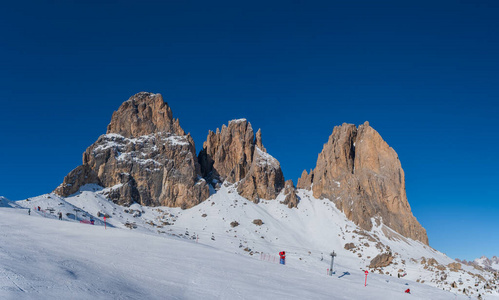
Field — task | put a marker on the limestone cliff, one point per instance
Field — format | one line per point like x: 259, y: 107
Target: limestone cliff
x: 363, y: 176
x: 145, y: 157
x: 236, y: 155
x: 291, y: 199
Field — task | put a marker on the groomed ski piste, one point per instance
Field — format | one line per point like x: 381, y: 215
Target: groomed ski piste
x: 224, y: 248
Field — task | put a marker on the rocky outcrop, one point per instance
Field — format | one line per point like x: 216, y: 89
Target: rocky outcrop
x: 264, y: 179
x: 305, y: 181
x: 75, y: 179
x: 349, y: 246
x: 363, y: 176
x: 228, y: 153
x: 454, y: 266
x: 236, y: 155
x: 145, y: 157
x: 381, y: 261
x: 291, y: 198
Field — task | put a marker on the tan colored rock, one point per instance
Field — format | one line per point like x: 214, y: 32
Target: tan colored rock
x: 349, y: 246
x: 235, y: 154
x: 381, y: 261
x: 228, y: 153
x: 75, y: 179
x: 258, y: 140
x: 363, y: 176
x: 258, y: 222
x: 305, y: 181
x: 291, y: 199
x: 454, y: 267
x: 264, y: 179
x: 143, y: 114
x: 145, y: 157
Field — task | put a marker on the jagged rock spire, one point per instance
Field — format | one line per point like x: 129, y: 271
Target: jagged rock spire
x: 235, y: 154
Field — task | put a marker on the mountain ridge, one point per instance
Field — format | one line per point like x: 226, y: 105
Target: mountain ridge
x: 145, y: 157
x: 491, y: 264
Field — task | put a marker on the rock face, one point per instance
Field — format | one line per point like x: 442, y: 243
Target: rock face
x: 381, y: 261
x: 305, y: 181
x: 235, y: 154
x: 75, y: 179
x: 349, y: 246
x: 291, y: 199
x: 454, y: 267
x: 144, y: 114
x: 363, y: 176
x: 145, y: 157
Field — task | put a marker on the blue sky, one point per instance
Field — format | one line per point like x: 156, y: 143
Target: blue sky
x: 425, y: 74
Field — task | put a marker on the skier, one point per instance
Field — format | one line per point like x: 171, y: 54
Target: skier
x: 408, y: 291
x: 60, y: 215
x: 282, y: 255
x: 29, y: 211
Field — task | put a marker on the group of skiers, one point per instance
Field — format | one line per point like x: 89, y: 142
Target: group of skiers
x: 38, y: 208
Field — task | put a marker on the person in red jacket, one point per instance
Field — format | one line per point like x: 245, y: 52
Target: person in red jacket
x: 282, y: 255
x: 408, y: 291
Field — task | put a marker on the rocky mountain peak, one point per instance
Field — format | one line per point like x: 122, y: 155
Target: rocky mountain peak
x: 145, y: 157
x: 235, y: 154
x: 363, y: 176
x: 143, y: 114
x: 489, y: 263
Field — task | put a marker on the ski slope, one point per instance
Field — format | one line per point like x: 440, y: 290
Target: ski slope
x: 49, y: 259
x: 190, y: 254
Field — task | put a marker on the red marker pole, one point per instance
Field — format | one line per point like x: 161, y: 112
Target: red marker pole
x: 365, y: 283
x: 105, y: 226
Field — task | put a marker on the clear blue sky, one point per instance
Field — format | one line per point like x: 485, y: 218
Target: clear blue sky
x: 424, y: 73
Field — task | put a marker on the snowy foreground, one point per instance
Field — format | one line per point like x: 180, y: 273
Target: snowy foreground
x: 198, y: 255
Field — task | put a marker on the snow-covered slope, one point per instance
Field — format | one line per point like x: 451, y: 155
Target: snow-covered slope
x: 225, y: 247
x: 49, y: 259
x: 4, y: 202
